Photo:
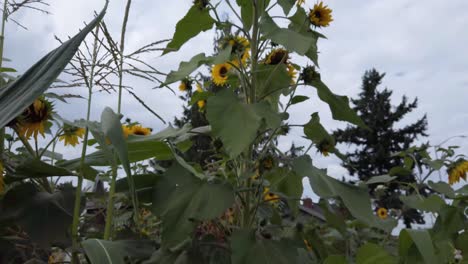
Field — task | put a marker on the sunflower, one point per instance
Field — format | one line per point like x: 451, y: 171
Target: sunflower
x: 300, y: 2
x: 127, y: 131
x: 292, y: 73
x: 277, y: 56
x: 35, y: 119
x: 219, y: 73
x: 320, y: 16
x: 325, y: 146
x: 382, y: 213
x: 2, y: 182
x: 457, y: 171
x: 140, y: 131
x: 267, y: 163
x: 269, y: 196
x: 201, y: 104
x: 240, y: 49
x: 185, y: 85
x: 310, y: 75
x: 71, y: 134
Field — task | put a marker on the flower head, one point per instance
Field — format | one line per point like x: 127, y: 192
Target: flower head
x: 71, y: 134
x: 140, y: 130
x: 201, y: 104
x: 35, y: 119
x: 325, y: 146
x: 277, y: 56
x: 199, y: 88
x: 269, y: 196
x: 457, y: 171
x: 185, y: 85
x: 309, y: 75
x: 320, y: 15
x: 382, y: 213
x: 240, y: 49
x: 219, y: 73
x: 291, y: 72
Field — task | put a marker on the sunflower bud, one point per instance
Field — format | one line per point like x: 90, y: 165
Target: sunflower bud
x: 310, y: 75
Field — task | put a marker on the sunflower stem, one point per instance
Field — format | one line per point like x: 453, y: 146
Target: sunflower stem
x: 2, y: 41
x: 77, y: 206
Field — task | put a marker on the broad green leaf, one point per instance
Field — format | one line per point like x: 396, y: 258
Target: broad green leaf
x: 144, y: 186
x: 286, y: 5
x: 333, y: 219
x: 45, y: 217
x: 195, y: 21
x: 335, y: 259
x: 300, y: 23
x: 181, y: 199
x: 23, y: 91
x: 34, y: 168
x: 423, y: 242
x: 117, y: 252
x: 246, y: 13
x: 249, y: 250
x: 339, y: 105
x: 432, y: 203
x: 288, y: 183
x: 272, y: 80
x: 450, y: 221
x: 400, y: 171
x: 356, y: 199
x: 299, y: 99
x: 290, y: 39
x: 6, y: 69
x: 371, y: 253
x: 200, y: 96
x: 234, y: 122
x: 443, y: 188
x: 381, y: 179
x: 186, y: 68
x: 265, y: 111
x: 317, y: 133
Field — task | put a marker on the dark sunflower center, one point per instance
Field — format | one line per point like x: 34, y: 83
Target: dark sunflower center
x: 278, y: 57
x: 318, y: 14
x: 139, y: 132
x: 223, y: 71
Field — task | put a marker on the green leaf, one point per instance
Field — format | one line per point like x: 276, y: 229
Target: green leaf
x: 288, y: 183
x: 356, y: 199
x: 299, y: 99
x: 317, y: 133
x: 249, y: 250
x: 371, y: 253
x: 381, y: 179
x: 400, y: 171
x: 180, y: 199
x: 423, y: 242
x: 265, y: 111
x: 34, y: 168
x: 246, y: 13
x: 450, y: 221
x: 45, y: 217
x: 117, y: 252
x: 443, y: 188
x: 286, y: 5
x: 195, y: 21
x: 6, y: 69
x: 241, y: 117
x: 21, y: 93
x: 432, y: 203
x: 290, y: 39
x: 335, y: 259
x: 144, y: 186
x: 339, y: 105
x: 272, y: 80
x: 200, y: 96
x: 186, y: 68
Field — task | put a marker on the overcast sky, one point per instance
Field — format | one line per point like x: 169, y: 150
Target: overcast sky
x: 421, y: 45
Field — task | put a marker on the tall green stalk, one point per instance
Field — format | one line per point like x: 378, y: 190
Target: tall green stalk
x: 110, y: 204
x: 76, y: 211
x: 2, y: 41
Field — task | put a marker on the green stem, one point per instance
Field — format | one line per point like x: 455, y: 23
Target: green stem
x: 77, y: 206
x: 2, y: 41
x: 254, y: 47
x: 110, y: 203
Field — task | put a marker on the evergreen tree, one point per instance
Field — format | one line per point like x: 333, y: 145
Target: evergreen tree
x: 375, y: 148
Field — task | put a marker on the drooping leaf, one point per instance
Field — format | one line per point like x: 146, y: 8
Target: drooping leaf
x: 181, y: 199
x: 317, y: 133
x: 23, y: 91
x: 381, y: 179
x: 432, y: 203
x: 117, y: 252
x: 249, y: 250
x: 291, y: 40
x: 356, y: 199
x: 45, y: 217
x: 34, y: 168
x: 272, y: 80
x: 193, y: 23
x: 422, y: 243
x: 242, y: 117
x: 450, y: 221
x: 246, y: 7
x: 371, y: 253
x: 299, y: 99
x: 339, y: 105
x: 268, y: 114
x: 286, y: 5
x: 443, y: 188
